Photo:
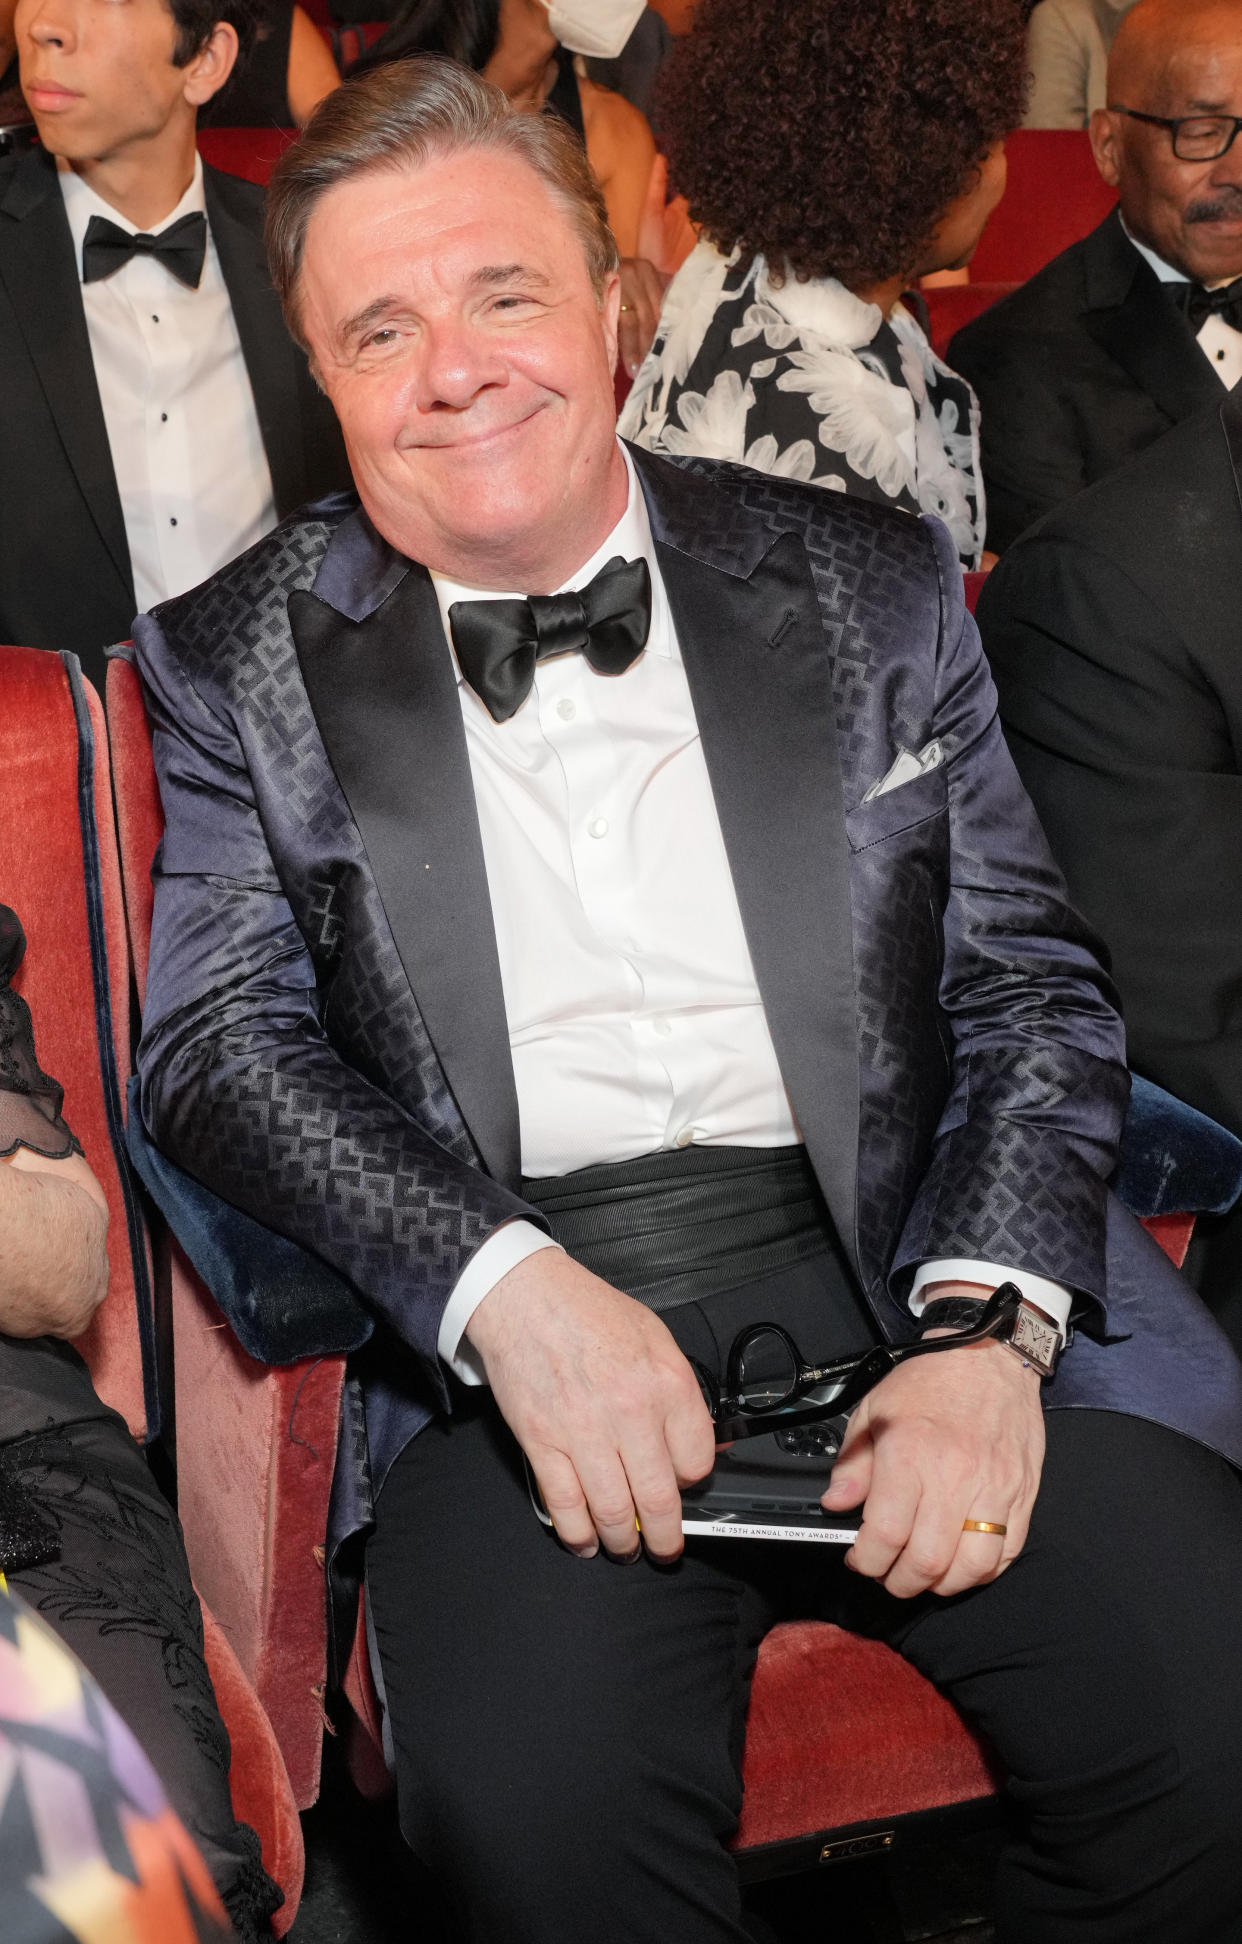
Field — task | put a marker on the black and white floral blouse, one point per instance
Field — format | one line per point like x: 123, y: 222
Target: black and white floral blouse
x: 807, y: 381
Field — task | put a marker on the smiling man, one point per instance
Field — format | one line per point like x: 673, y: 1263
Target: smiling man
x: 597, y: 914
x: 1136, y: 328
x: 155, y: 416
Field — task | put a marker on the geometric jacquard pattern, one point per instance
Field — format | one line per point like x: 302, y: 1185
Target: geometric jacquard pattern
x: 285, y: 1060
x: 991, y: 1109
x: 346, y: 1139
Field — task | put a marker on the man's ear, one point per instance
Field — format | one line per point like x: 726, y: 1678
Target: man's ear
x: 610, y: 312
x: 1105, y: 144
x: 211, y: 67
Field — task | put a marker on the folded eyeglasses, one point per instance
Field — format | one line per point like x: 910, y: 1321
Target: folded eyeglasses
x: 769, y: 1387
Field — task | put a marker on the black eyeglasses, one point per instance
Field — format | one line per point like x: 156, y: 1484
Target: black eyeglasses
x: 769, y: 1387
x: 1196, y: 138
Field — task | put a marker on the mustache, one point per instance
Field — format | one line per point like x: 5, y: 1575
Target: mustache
x: 1225, y: 206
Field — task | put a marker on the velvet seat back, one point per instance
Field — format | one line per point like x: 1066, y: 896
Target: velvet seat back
x: 60, y: 871
x: 56, y: 834
x: 1055, y: 195
x: 256, y: 1446
x: 249, y: 152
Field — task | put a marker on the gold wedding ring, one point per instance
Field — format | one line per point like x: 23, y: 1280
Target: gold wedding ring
x: 984, y: 1525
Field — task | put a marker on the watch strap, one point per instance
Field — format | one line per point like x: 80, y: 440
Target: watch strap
x: 951, y: 1313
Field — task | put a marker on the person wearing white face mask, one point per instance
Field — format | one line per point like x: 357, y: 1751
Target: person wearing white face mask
x: 528, y: 48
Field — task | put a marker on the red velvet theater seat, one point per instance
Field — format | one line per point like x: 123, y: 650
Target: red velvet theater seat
x: 845, y: 1743
x: 249, y: 152
x: 973, y: 587
x: 56, y: 841
x: 59, y: 870
x: 256, y: 1446
x: 1055, y: 195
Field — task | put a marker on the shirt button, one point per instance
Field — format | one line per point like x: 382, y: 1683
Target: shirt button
x: 685, y: 1138
x: 565, y: 709
x: 154, y: 318
x: 598, y: 827
x: 163, y: 418
x: 173, y: 521
x: 1220, y: 357
x: 662, y: 1027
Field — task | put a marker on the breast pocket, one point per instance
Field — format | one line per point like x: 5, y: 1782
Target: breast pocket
x: 897, y: 810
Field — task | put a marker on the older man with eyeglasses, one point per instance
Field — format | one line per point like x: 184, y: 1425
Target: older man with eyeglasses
x: 1136, y: 328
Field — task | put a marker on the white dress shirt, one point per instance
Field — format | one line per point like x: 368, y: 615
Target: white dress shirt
x: 1220, y: 344
x: 634, y: 1015
x: 182, y: 427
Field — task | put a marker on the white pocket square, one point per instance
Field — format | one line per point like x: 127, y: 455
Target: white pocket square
x: 907, y: 767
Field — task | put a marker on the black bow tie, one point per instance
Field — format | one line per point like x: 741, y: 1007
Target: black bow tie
x: 181, y: 247
x: 499, y: 642
x: 1199, y: 304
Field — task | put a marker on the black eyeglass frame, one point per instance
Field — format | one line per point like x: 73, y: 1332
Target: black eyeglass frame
x: 1175, y: 123
x: 734, y: 1417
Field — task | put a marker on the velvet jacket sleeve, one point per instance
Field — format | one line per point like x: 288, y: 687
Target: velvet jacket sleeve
x: 1038, y: 1085
x: 240, y: 1083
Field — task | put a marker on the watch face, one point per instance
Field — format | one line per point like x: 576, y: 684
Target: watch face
x: 1036, y: 1339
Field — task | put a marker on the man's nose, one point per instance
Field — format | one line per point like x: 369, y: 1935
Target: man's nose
x: 49, y: 23
x: 458, y: 362
x: 1226, y: 171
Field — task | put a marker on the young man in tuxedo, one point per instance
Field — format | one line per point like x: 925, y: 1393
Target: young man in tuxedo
x: 155, y: 416
x: 570, y: 847
x: 1138, y: 327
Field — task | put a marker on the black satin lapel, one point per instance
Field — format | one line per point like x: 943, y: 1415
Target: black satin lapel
x: 270, y: 354
x: 384, y: 695
x: 40, y: 274
x: 761, y: 679
x: 1147, y: 336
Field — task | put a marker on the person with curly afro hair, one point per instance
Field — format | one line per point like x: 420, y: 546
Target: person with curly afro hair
x: 831, y: 154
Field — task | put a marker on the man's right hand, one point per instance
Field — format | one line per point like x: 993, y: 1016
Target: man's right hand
x: 601, y: 1400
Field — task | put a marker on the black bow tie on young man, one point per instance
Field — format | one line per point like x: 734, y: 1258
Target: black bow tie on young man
x: 1198, y: 303
x: 498, y: 643
x: 181, y: 247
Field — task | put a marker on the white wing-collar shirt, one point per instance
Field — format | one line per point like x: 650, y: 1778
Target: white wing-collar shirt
x: 635, y: 1020
x: 177, y: 403
x: 1220, y: 344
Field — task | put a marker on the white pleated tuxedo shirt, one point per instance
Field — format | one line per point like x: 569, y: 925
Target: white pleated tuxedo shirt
x: 1220, y: 344
x: 635, y: 1020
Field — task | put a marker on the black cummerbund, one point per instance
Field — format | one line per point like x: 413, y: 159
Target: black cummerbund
x: 688, y: 1223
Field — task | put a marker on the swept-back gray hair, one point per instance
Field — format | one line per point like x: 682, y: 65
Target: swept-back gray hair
x: 402, y: 116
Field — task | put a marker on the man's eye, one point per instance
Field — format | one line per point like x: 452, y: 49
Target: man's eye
x: 379, y: 339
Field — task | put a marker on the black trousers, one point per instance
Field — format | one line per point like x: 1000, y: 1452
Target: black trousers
x: 120, y: 1596
x: 568, y: 1733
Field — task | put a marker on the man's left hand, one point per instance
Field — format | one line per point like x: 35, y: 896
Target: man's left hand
x: 956, y: 1436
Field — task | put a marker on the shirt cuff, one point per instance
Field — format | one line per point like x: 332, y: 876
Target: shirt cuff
x: 504, y: 1248
x: 1052, y: 1297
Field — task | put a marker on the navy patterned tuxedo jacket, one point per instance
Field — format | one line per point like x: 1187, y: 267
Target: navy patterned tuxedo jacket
x: 325, y: 1041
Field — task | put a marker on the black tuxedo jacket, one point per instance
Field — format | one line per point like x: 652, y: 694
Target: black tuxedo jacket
x: 325, y: 1042
x: 65, y: 578
x: 1114, y: 631
x: 1079, y: 370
